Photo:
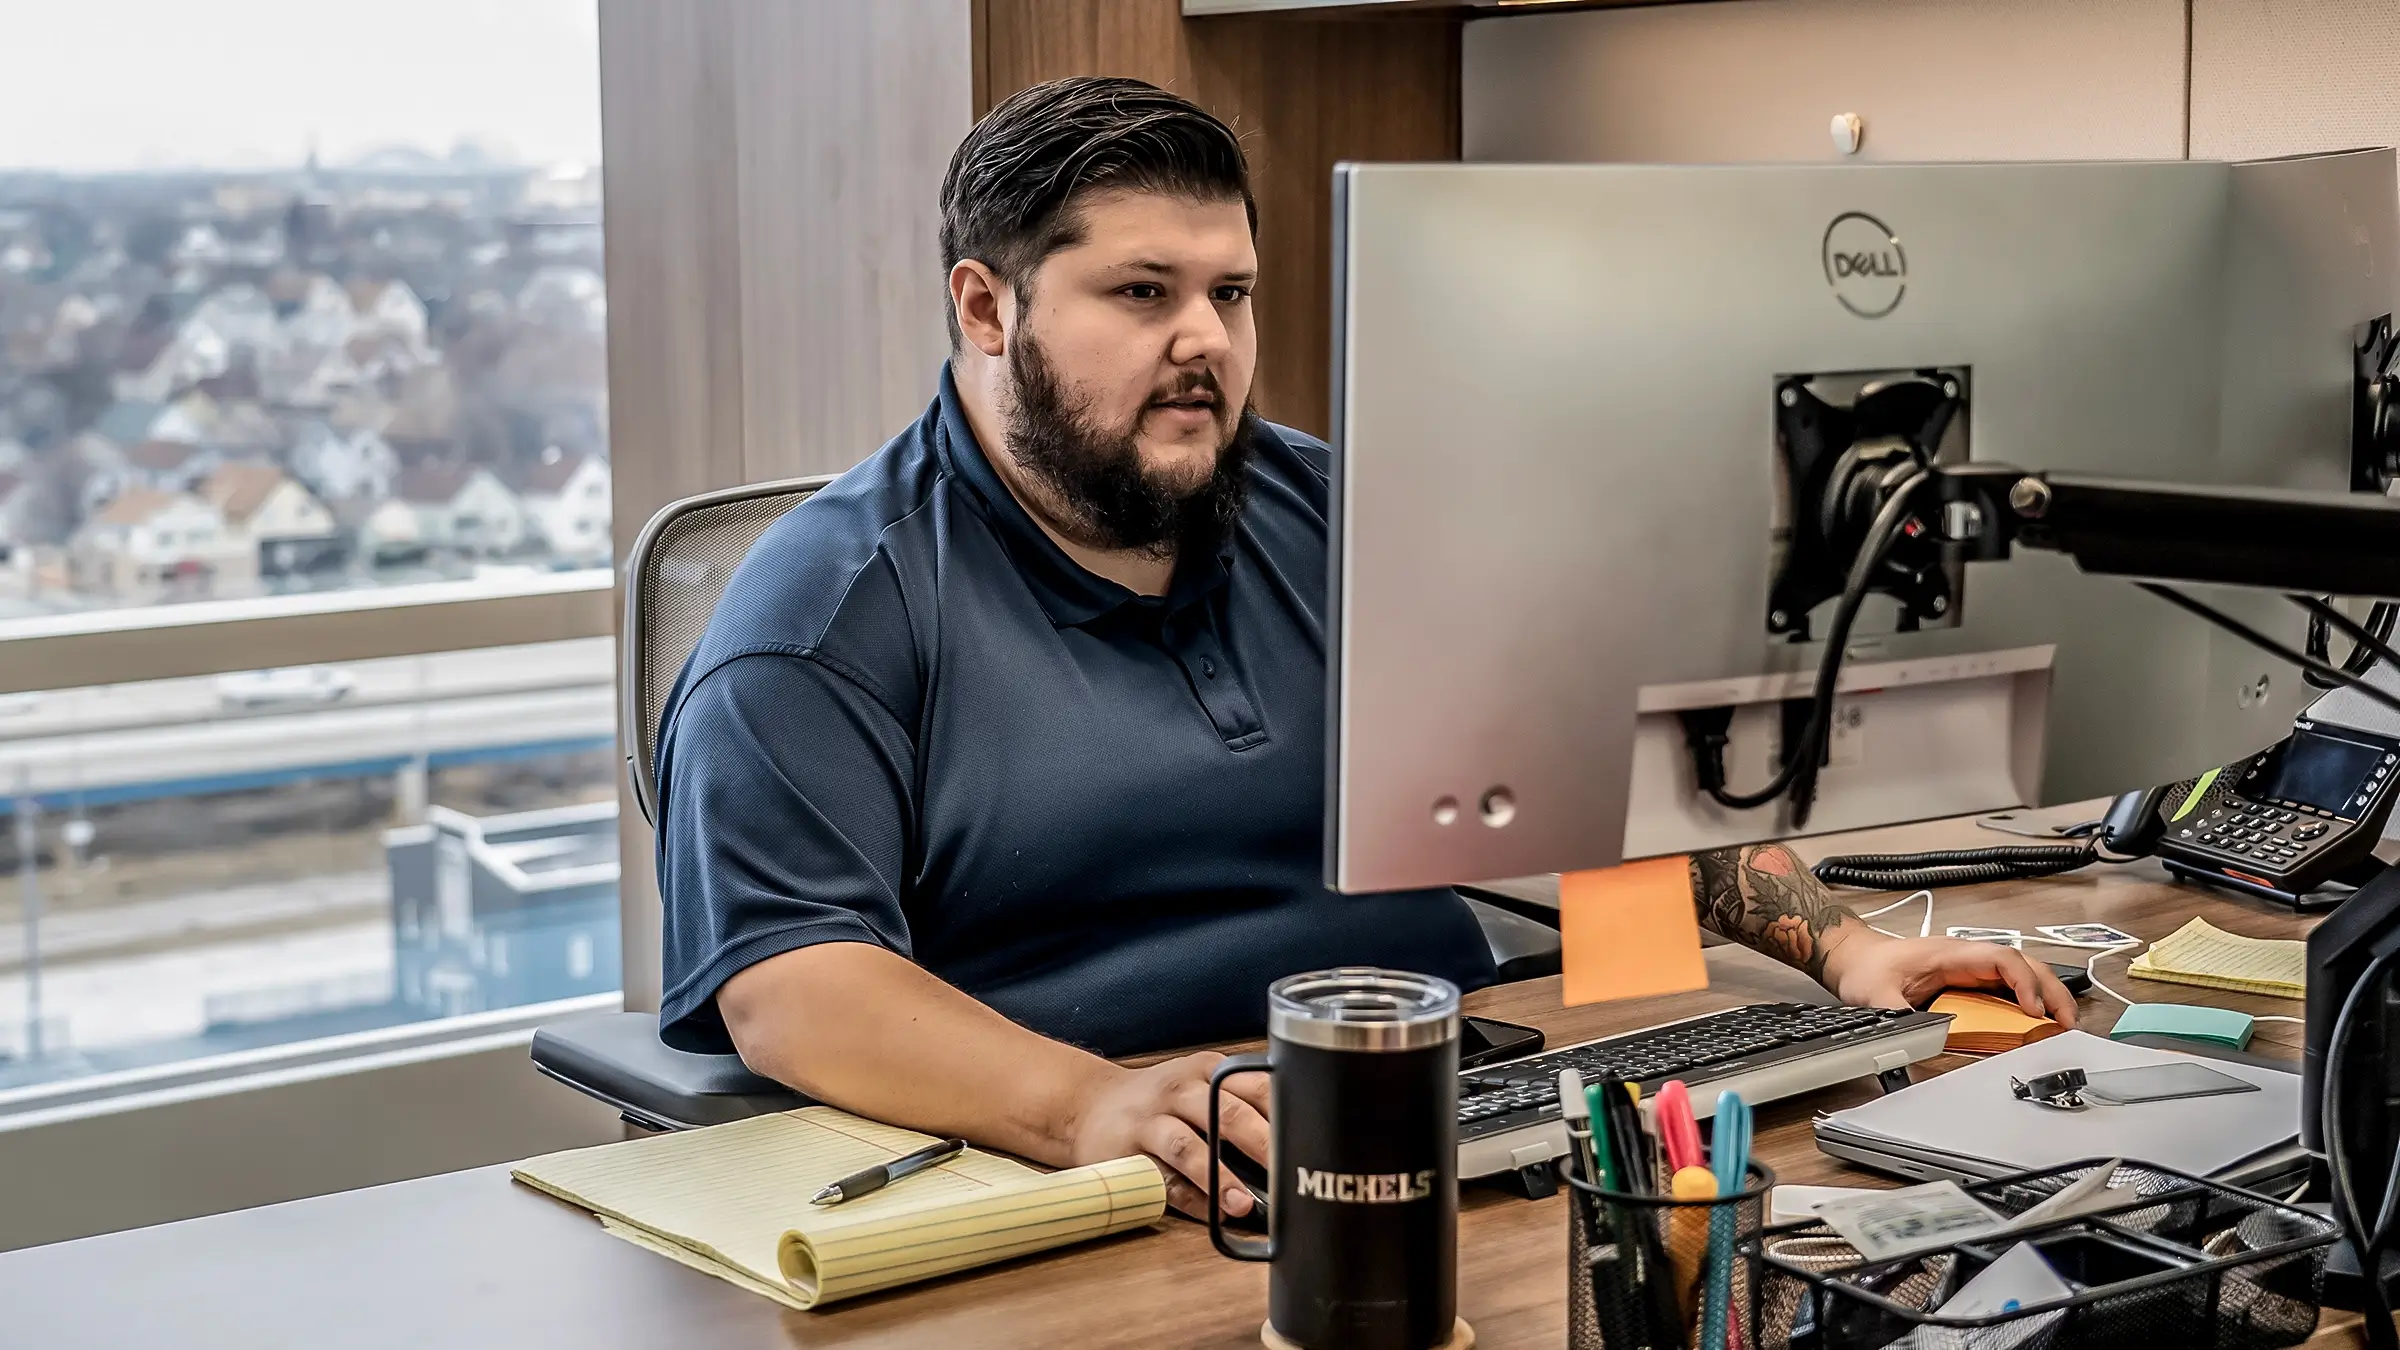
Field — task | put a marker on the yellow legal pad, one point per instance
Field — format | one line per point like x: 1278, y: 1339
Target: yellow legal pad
x: 733, y: 1201
x: 2203, y: 954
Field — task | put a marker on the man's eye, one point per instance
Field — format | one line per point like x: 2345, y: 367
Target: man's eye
x: 1145, y: 290
x: 1232, y: 295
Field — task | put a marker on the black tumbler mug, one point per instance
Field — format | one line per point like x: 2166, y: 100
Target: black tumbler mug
x: 1363, y: 1205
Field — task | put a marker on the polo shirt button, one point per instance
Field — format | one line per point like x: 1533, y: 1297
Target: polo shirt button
x: 1208, y: 668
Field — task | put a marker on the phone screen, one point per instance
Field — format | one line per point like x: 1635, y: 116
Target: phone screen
x: 2322, y: 771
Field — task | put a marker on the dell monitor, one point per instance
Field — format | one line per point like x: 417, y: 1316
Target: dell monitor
x: 1585, y: 416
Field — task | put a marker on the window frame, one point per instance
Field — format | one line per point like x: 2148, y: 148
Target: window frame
x: 165, y: 1084
x: 215, y: 637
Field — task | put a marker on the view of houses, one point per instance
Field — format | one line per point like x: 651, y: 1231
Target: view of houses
x: 228, y: 384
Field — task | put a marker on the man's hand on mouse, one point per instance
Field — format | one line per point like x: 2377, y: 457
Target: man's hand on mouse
x: 1876, y: 970
x: 1763, y: 896
x: 1163, y: 1111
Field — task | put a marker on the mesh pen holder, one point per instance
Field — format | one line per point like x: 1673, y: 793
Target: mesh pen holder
x: 1639, y: 1266
x: 2176, y: 1262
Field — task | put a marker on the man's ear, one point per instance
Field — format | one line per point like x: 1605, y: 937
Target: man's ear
x: 976, y: 297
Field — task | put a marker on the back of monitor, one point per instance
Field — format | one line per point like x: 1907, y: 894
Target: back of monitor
x: 1557, y: 490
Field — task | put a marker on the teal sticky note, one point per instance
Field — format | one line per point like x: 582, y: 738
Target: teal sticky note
x: 2217, y: 1026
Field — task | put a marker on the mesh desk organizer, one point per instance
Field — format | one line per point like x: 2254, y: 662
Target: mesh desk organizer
x: 2179, y: 1262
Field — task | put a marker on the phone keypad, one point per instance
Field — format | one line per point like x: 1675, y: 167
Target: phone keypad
x: 2271, y: 837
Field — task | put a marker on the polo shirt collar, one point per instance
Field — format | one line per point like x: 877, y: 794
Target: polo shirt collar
x: 1068, y: 592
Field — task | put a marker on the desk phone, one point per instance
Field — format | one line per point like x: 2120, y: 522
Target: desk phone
x: 2303, y: 813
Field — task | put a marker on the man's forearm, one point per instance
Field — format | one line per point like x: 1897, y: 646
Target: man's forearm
x: 1762, y: 896
x: 859, y: 1027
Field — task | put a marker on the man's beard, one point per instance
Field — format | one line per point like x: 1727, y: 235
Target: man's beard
x: 1095, y: 476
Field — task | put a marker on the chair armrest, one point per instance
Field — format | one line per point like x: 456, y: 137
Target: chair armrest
x: 617, y: 1057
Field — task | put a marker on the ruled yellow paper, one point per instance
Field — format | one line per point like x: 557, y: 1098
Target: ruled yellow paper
x: 2203, y: 954
x: 733, y: 1201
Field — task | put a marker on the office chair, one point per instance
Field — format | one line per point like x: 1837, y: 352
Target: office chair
x: 678, y: 568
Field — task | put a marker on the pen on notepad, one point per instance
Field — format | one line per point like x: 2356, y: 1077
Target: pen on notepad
x: 884, y: 1174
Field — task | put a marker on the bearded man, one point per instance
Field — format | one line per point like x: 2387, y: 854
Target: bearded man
x: 1005, y: 752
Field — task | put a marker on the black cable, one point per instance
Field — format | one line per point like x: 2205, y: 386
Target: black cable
x: 1954, y: 867
x: 1799, y: 771
x: 2267, y: 644
x: 2369, y: 1243
x: 2369, y: 644
x: 2380, y: 621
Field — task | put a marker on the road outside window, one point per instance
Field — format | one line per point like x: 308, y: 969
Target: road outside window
x: 200, y: 866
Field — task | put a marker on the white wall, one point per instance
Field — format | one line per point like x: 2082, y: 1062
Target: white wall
x: 1760, y: 80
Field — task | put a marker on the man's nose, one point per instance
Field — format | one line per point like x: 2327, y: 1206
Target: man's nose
x: 1200, y: 333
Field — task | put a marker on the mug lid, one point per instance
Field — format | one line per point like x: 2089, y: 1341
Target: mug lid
x: 1362, y: 1008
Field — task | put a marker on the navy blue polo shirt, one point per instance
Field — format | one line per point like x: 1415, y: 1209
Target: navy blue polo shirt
x: 915, y: 721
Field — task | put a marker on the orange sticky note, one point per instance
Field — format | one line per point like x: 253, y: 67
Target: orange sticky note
x: 1983, y: 1025
x: 1630, y: 931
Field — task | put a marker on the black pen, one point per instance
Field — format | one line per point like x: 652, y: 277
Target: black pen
x: 884, y: 1174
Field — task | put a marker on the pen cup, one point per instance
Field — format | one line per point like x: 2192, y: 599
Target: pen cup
x: 1640, y: 1267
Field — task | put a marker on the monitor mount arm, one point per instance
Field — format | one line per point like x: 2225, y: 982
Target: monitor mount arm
x: 2312, y: 543
x: 2318, y: 543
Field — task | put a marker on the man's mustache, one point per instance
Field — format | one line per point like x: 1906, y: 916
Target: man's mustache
x: 1192, y: 382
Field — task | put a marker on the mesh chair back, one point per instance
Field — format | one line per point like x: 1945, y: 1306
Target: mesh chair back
x: 673, y: 578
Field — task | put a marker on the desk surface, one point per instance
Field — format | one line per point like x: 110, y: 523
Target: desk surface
x: 470, y: 1260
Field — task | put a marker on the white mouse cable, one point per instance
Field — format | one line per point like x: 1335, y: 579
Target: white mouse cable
x: 2090, y: 966
x: 1924, y: 929
x: 2131, y: 948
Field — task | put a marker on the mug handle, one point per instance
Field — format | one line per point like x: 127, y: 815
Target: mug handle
x: 1245, y: 1250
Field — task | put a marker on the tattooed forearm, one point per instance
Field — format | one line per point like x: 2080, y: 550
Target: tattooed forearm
x: 1762, y: 897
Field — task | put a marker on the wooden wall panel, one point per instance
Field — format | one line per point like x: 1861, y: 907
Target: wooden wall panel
x: 775, y: 291
x: 848, y: 114
x: 1302, y: 94
x: 674, y: 252
x: 674, y: 315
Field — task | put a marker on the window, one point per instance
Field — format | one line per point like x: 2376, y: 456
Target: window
x: 344, y: 259
x: 286, y: 261
x: 197, y: 866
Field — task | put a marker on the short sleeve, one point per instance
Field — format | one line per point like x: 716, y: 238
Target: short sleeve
x: 784, y: 801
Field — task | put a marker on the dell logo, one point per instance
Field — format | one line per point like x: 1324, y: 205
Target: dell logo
x: 1865, y: 265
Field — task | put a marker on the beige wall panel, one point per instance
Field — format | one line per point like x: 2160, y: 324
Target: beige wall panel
x: 1761, y: 79
x: 2282, y: 77
x: 775, y: 286
x: 847, y: 115
x: 674, y: 312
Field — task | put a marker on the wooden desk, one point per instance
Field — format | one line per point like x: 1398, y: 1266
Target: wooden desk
x: 470, y: 1260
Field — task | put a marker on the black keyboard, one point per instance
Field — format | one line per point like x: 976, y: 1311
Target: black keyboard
x: 1508, y: 1113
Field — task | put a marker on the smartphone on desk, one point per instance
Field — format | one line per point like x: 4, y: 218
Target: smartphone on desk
x: 2161, y: 1083
x: 1483, y: 1041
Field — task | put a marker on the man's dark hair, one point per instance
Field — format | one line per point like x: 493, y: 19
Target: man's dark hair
x: 1008, y: 200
